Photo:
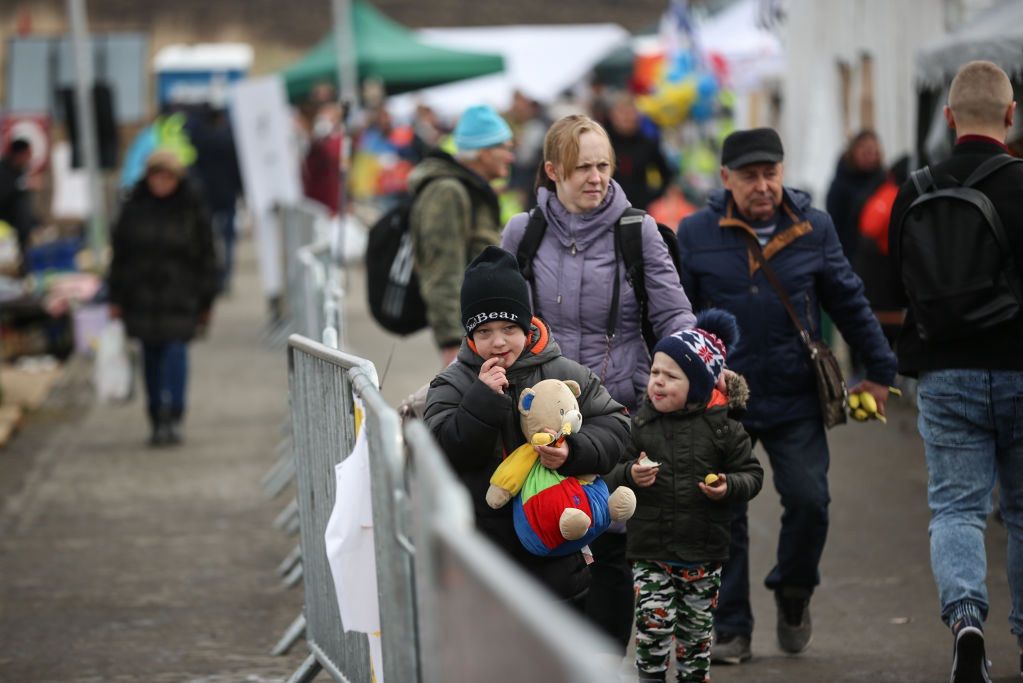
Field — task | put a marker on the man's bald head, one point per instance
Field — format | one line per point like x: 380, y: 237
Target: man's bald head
x: 980, y: 96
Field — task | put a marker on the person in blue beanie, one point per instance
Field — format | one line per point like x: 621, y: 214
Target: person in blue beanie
x: 455, y: 215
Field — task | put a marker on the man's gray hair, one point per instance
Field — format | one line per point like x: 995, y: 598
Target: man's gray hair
x: 465, y: 155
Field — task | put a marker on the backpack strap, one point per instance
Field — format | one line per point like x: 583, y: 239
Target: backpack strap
x: 992, y: 165
x: 923, y: 180
x: 528, y: 246
x: 629, y: 244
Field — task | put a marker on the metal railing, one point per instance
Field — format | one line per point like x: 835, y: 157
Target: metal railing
x: 323, y: 383
x: 313, y: 295
x: 453, y: 607
x: 481, y: 618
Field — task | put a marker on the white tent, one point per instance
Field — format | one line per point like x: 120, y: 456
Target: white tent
x: 995, y: 35
x: 540, y: 61
x: 754, y: 54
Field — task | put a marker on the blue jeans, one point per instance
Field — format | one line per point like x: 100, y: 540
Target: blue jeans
x: 799, y: 456
x: 971, y: 422
x: 166, y: 370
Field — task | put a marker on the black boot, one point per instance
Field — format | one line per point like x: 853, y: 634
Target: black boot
x: 159, y: 430
x: 174, y: 435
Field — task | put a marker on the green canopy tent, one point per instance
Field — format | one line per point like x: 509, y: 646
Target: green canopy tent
x: 389, y: 52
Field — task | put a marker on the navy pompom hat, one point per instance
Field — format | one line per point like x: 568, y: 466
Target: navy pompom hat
x: 701, y: 351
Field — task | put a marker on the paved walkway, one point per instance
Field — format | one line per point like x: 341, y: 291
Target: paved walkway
x: 124, y: 563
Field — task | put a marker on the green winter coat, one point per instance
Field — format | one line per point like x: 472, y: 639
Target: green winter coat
x: 674, y: 520
x: 454, y: 217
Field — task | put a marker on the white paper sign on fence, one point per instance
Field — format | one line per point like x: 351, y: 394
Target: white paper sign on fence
x: 350, y: 549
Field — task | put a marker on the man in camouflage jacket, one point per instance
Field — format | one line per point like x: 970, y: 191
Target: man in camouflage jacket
x: 455, y: 216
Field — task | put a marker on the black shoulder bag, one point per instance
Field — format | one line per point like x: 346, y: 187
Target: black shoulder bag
x: 831, y: 390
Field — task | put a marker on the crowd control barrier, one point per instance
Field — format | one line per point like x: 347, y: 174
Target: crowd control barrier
x: 323, y: 382
x: 313, y: 295
x: 453, y: 607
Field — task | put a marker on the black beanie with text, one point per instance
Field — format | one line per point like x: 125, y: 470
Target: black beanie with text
x: 494, y: 289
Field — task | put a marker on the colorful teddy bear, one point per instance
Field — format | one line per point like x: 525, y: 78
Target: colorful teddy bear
x: 554, y: 515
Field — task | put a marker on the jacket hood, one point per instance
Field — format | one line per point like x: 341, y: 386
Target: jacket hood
x: 797, y: 199
x: 582, y: 229
x: 438, y: 164
x: 735, y: 398
x: 540, y: 348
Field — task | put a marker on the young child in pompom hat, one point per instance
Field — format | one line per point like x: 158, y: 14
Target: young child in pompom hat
x: 687, y: 464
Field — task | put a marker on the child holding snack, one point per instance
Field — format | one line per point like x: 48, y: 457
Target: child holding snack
x: 687, y: 463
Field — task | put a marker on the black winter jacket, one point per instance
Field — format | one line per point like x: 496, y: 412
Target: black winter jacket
x: 995, y: 349
x: 849, y: 190
x: 163, y: 274
x: 635, y: 156
x: 674, y: 520
x: 476, y: 428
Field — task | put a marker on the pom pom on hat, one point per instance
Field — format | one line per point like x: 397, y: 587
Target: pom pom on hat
x: 701, y: 351
x: 480, y: 127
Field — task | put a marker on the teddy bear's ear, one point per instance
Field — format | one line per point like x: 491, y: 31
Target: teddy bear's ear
x: 574, y: 387
x: 526, y: 401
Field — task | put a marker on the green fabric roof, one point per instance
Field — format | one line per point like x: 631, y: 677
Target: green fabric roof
x: 390, y: 52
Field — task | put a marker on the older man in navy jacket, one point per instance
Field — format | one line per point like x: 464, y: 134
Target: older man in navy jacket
x: 719, y: 270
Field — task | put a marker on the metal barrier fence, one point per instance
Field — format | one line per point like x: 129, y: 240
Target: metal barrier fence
x: 322, y: 383
x: 313, y: 298
x: 453, y: 607
x: 481, y: 617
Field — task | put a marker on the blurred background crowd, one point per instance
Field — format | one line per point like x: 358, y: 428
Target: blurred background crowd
x: 249, y: 98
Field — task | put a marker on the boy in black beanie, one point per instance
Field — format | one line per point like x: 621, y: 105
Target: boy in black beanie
x: 470, y: 408
x: 688, y: 462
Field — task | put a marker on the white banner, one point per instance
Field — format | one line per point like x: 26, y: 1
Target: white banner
x: 263, y: 133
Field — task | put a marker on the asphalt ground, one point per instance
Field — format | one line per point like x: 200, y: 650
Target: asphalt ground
x: 121, y: 562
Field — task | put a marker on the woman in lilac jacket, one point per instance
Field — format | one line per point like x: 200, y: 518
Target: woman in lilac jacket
x: 574, y: 268
x: 573, y: 275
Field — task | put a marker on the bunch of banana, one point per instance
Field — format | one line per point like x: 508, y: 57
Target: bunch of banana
x: 863, y: 406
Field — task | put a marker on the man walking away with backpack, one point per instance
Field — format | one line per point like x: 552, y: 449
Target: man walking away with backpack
x: 967, y: 358
x: 455, y: 216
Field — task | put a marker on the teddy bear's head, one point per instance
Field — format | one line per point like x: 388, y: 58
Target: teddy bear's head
x: 550, y: 404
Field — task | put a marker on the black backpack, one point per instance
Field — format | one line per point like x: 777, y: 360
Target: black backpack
x: 628, y: 243
x: 391, y: 282
x: 955, y: 261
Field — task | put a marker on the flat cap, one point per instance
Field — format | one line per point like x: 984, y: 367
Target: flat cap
x: 754, y: 146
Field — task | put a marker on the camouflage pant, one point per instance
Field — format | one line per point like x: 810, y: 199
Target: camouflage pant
x: 675, y: 602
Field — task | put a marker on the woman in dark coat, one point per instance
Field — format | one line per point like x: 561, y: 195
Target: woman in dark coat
x: 162, y: 282
x: 859, y: 172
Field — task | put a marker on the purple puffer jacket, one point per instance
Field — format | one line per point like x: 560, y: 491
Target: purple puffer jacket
x: 574, y: 270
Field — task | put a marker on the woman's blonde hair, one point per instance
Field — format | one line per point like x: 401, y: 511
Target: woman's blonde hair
x: 561, y: 146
